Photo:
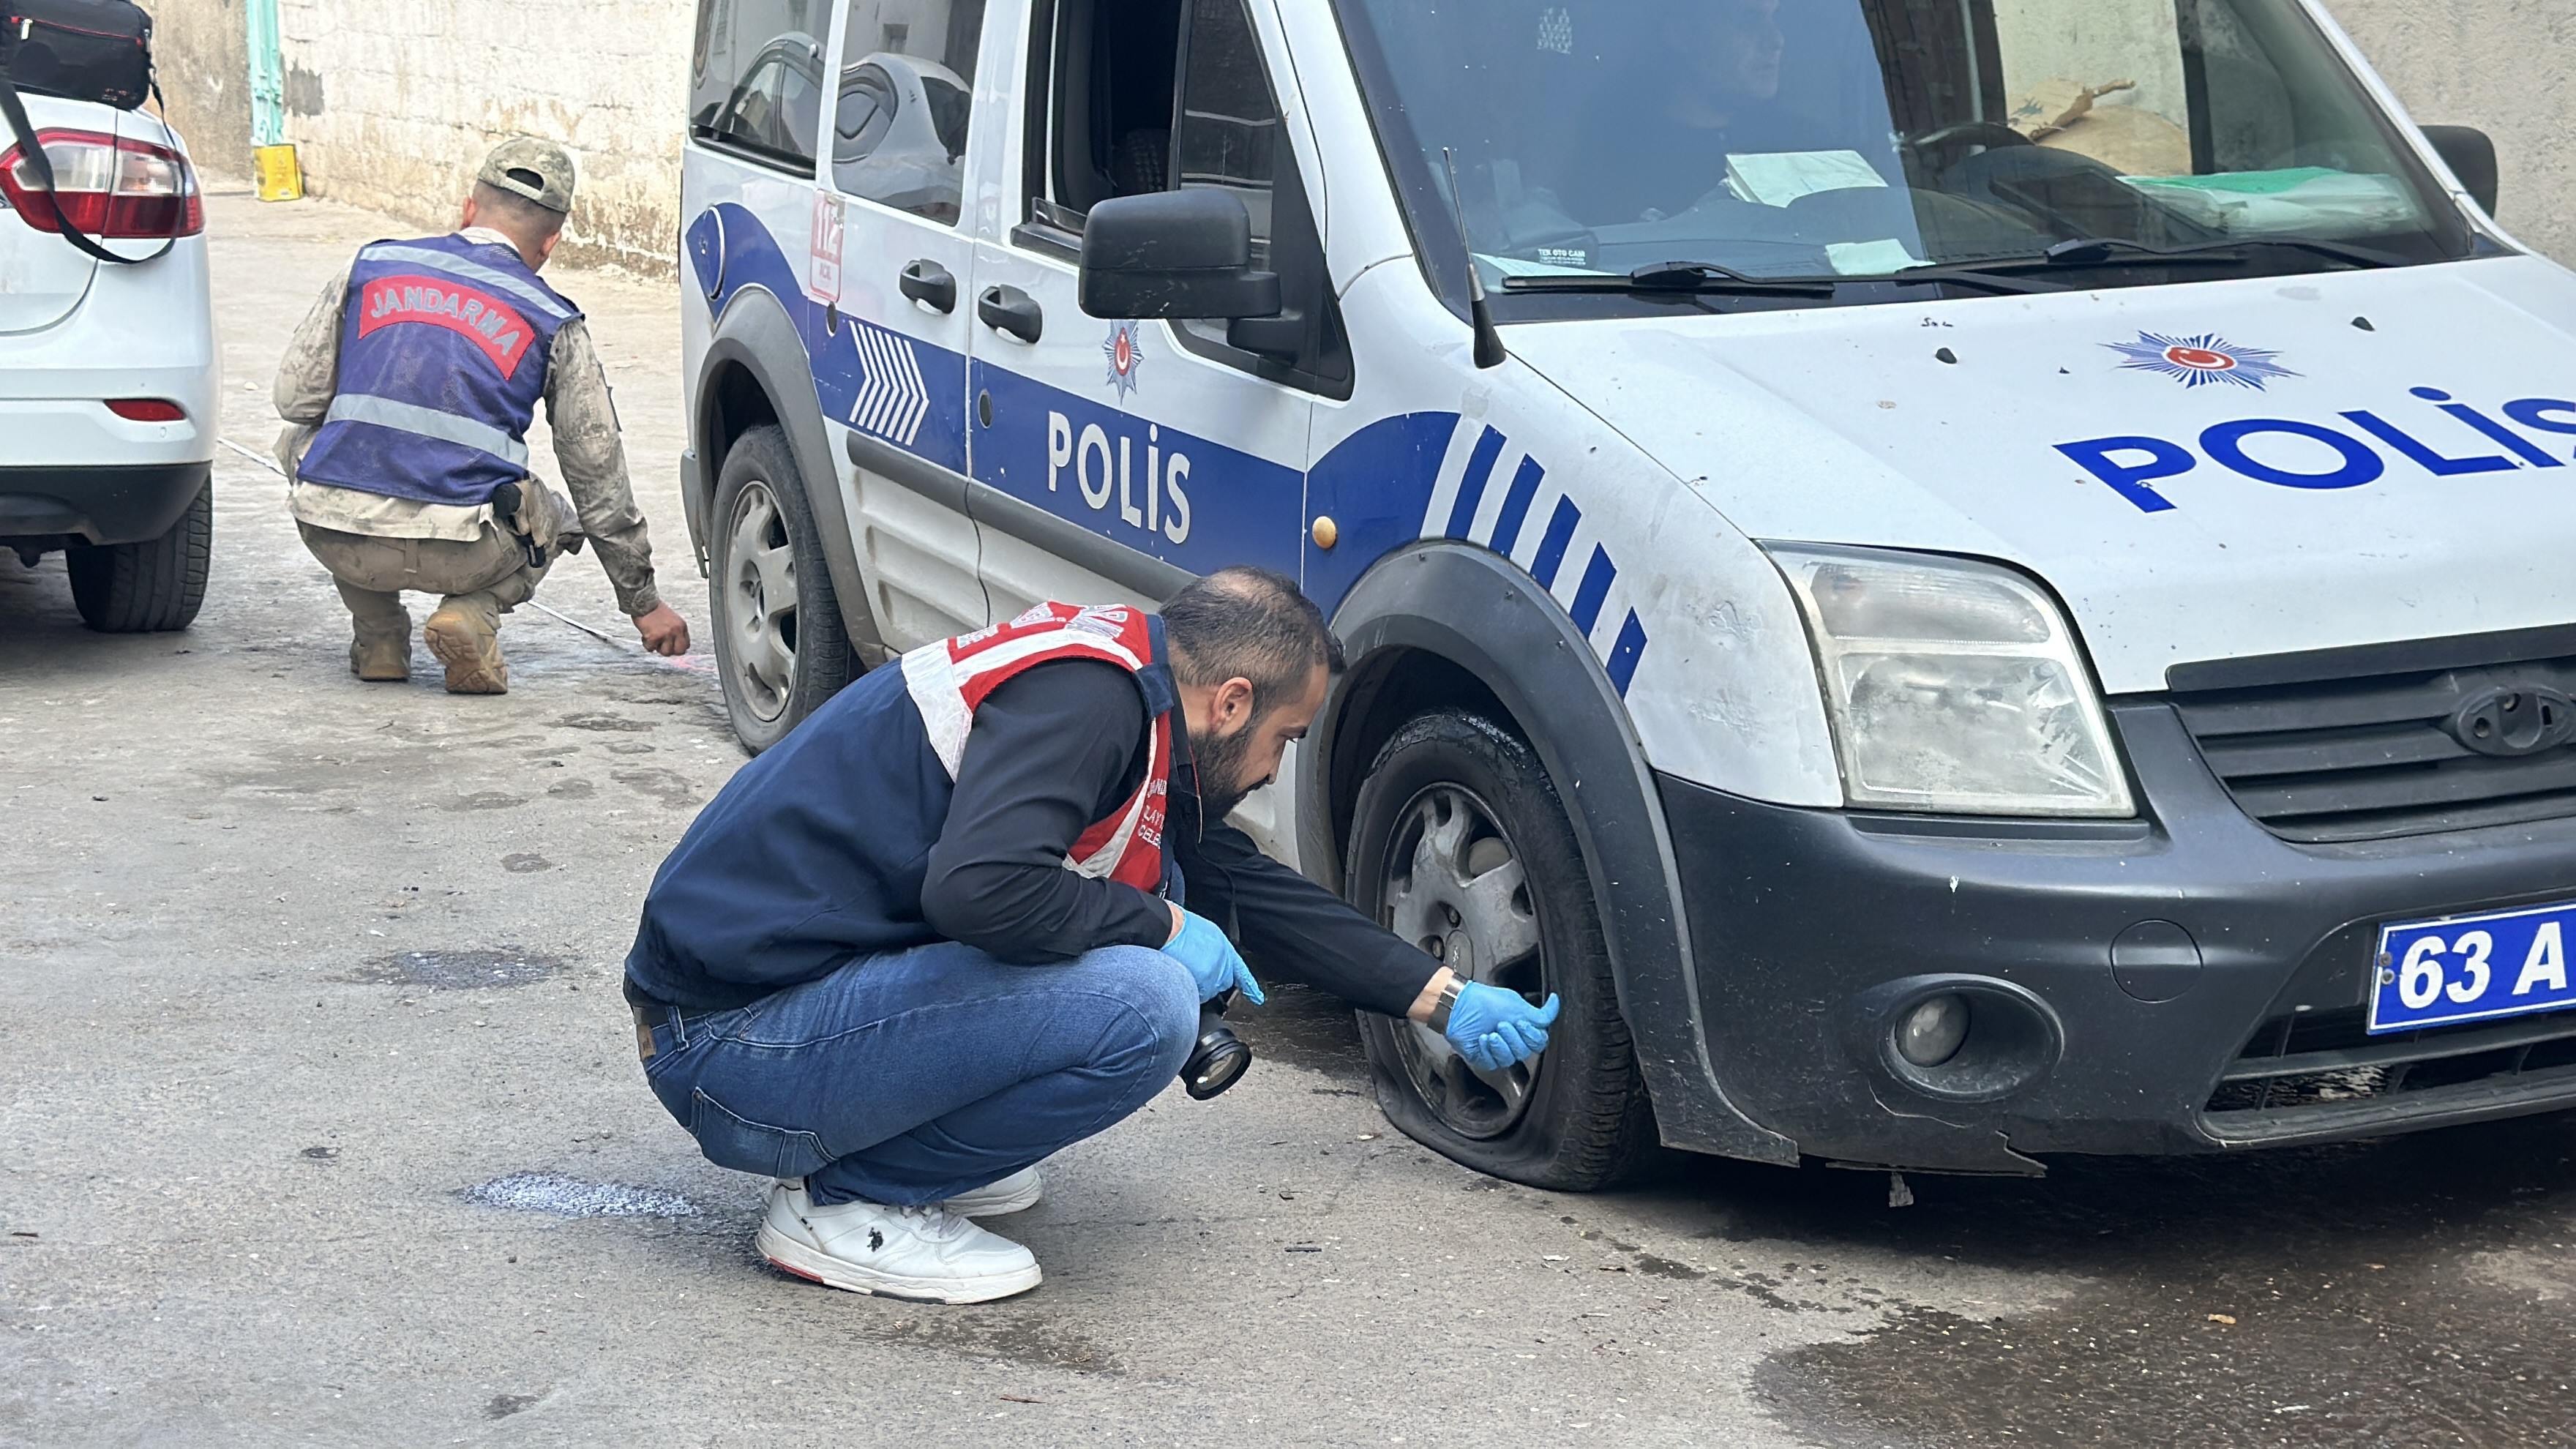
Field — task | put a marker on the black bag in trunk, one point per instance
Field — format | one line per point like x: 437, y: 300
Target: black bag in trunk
x: 82, y: 50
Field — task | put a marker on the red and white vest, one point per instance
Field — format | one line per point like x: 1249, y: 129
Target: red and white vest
x: 950, y: 679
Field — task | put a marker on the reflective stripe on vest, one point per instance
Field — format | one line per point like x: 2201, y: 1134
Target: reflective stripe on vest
x: 465, y: 269
x: 950, y: 679
x: 405, y: 417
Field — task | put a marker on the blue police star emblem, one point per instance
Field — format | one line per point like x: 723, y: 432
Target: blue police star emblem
x: 1126, y: 352
x: 2200, y: 361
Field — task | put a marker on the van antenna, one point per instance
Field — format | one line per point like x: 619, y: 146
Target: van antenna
x: 1480, y: 314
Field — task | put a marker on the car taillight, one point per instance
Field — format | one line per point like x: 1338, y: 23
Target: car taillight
x: 147, y: 410
x: 109, y: 187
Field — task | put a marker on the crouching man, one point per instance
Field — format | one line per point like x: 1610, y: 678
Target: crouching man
x: 966, y: 915
x: 408, y: 394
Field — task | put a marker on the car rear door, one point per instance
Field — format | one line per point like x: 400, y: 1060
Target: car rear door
x: 43, y: 277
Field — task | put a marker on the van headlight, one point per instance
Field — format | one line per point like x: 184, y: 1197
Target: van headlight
x: 1953, y: 686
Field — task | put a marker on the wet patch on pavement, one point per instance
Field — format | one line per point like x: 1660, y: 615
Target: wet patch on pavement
x: 460, y: 970
x: 605, y: 723
x: 672, y: 790
x: 484, y: 800
x: 1020, y: 1333
x: 2401, y: 1292
x: 572, y: 1197
x: 1304, y: 1028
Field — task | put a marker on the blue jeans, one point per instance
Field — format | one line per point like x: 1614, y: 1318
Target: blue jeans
x: 916, y: 1075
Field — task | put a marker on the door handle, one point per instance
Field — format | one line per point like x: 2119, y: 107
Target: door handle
x: 930, y: 284
x: 1008, y: 309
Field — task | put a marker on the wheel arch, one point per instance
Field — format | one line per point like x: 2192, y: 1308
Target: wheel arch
x: 1447, y: 623
x: 757, y: 372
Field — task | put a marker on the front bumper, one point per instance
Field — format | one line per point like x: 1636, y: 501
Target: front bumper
x: 1800, y: 920
x: 51, y: 507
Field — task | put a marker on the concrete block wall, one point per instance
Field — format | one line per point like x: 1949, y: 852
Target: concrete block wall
x: 392, y: 102
x: 2507, y: 67
x: 202, y: 49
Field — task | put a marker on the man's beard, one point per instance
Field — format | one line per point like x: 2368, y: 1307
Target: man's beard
x: 1219, y: 763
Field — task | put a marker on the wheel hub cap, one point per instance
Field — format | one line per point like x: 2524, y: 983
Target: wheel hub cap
x: 760, y: 602
x: 1454, y: 886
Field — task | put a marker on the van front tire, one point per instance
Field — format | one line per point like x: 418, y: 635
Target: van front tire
x: 781, y: 648
x: 1460, y: 844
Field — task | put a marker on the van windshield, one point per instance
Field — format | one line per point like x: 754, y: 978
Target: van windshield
x: 1862, y: 138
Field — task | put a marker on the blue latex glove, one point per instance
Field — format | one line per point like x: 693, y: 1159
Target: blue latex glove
x: 1493, y: 1028
x: 1214, y: 963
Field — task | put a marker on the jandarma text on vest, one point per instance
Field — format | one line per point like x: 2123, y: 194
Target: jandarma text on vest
x: 478, y: 316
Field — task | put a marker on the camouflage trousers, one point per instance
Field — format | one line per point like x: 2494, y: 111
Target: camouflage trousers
x: 489, y: 576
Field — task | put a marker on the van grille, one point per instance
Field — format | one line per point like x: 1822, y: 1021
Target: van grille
x: 2368, y: 744
x: 2326, y: 1058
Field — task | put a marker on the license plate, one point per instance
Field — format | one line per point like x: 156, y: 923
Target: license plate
x: 2472, y: 968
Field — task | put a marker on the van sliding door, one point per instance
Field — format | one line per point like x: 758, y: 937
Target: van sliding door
x: 891, y: 309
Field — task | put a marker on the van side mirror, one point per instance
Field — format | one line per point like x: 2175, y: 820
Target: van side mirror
x: 1175, y: 255
x: 2471, y: 155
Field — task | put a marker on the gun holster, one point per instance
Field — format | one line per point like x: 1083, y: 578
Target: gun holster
x: 541, y: 523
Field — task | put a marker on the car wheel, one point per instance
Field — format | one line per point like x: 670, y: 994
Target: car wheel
x: 781, y: 648
x: 1460, y: 845
x: 148, y: 587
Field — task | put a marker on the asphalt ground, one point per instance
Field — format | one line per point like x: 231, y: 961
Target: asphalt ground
x: 320, y: 1122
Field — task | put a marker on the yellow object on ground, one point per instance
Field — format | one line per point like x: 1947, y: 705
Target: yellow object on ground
x: 281, y: 177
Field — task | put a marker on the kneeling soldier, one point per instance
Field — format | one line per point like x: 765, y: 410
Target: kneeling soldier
x: 408, y: 393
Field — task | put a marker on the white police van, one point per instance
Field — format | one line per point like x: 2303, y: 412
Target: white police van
x: 1968, y: 579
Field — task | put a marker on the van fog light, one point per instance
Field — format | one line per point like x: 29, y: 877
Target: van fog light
x: 1932, y: 1032
x: 1953, y: 1037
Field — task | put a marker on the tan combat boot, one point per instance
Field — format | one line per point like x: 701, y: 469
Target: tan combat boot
x: 381, y: 660
x: 468, y: 642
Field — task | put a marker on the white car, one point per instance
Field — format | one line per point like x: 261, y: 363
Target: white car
x: 108, y: 373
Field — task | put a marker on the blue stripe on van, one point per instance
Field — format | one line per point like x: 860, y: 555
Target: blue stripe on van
x: 1471, y: 487
x: 1516, y: 506
x: 1551, y: 548
x: 1595, y: 588
x: 1625, y: 654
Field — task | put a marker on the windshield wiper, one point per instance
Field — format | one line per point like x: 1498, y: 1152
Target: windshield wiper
x: 1965, y: 276
x: 2088, y: 252
x: 2098, y: 251
x: 1679, y: 278
x: 1699, y: 277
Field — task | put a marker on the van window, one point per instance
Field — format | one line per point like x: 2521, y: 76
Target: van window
x: 1129, y: 97
x: 1150, y: 95
x: 757, y: 84
x: 1228, y: 119
x: 907, y: 96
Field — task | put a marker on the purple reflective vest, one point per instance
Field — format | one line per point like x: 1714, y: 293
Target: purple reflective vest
x: 443, y: 358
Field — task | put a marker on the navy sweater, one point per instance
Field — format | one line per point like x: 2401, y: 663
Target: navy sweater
x: 848, y: 839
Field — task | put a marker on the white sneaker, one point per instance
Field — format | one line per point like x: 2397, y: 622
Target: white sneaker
x: 928, y: 1254
x: 1015, y: 1193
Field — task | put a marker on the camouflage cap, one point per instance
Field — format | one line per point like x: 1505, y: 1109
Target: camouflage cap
x: 524, y: 166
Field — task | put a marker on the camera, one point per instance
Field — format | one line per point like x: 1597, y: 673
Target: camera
x: 1218, y: 1058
